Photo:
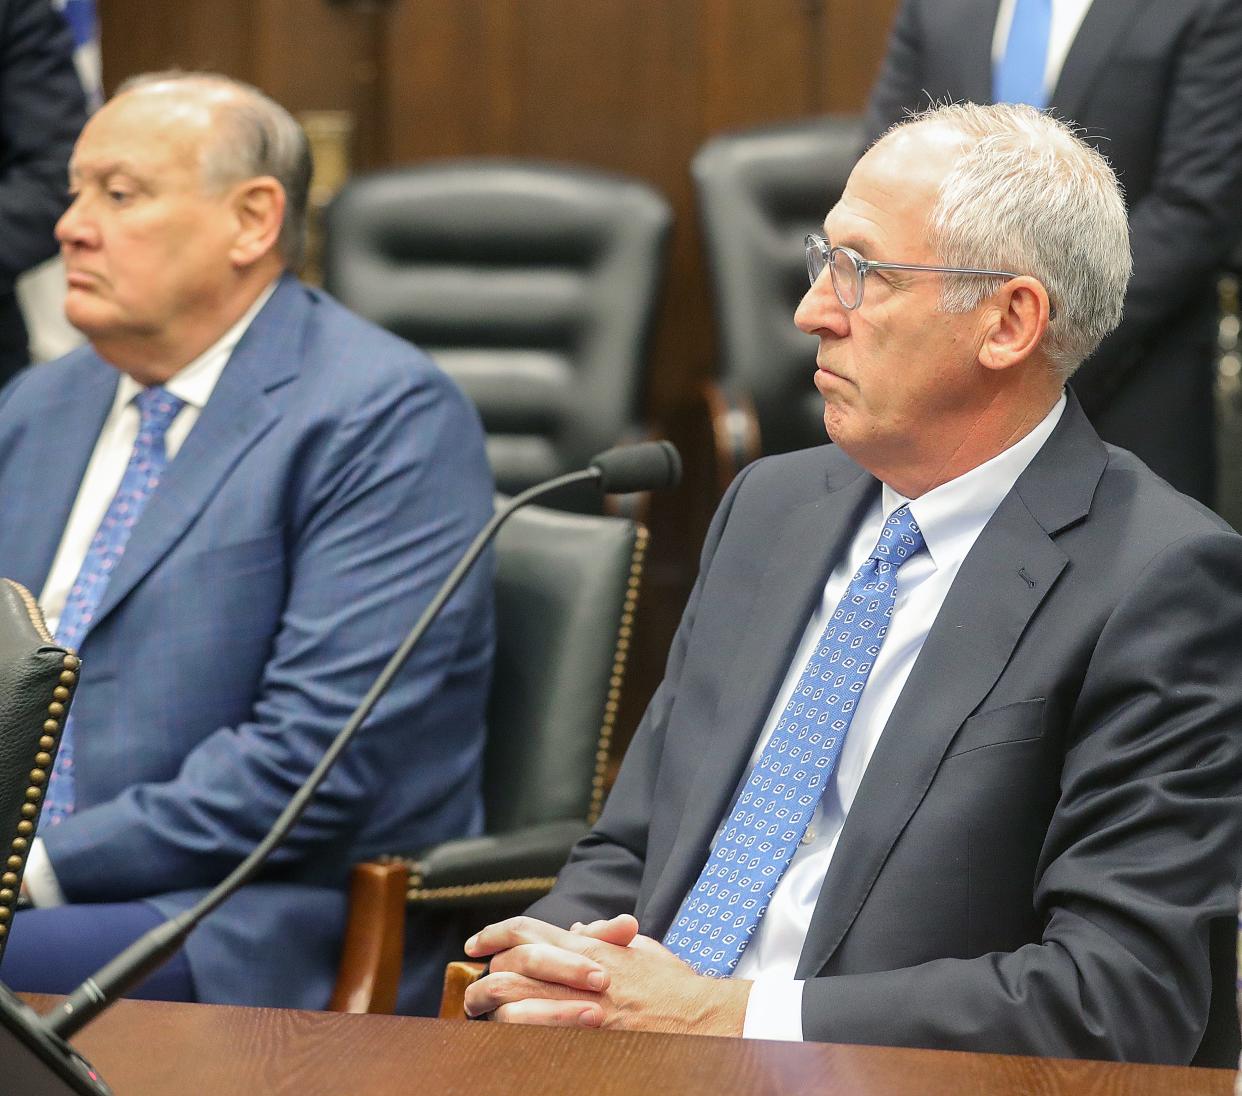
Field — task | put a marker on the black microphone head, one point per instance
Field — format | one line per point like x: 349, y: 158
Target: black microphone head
x: 648, y: 466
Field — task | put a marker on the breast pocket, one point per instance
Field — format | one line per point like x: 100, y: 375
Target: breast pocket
x: 1022, y: 721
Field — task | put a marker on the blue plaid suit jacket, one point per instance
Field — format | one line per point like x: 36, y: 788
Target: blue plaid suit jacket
x: 332, y: 480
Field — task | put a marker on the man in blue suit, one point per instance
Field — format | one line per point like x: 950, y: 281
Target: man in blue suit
x: 234, y: 502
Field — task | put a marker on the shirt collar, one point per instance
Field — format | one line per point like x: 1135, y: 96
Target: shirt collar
x: 194, y: 382
x: 952, y: 515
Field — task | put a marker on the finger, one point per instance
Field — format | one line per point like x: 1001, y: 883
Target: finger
x: 507, y: 987
x: 551, y: 1013
x: 619, y: 930
x: 515, y: 931
x: 549, y: 963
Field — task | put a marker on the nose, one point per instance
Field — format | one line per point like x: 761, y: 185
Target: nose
x: 73, y: 228
x: 820, y: 312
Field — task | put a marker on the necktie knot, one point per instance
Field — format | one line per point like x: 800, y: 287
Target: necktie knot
x: 900, y: 538
x: 157, y: 407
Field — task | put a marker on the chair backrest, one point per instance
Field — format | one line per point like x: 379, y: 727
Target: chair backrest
x: 759, y: 193
x: 533, y: 285
x: 37, y: 679
x: 566, y: 586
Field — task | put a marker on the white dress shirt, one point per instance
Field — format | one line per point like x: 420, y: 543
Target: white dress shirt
x: 951, y: 517
x: 1067, y: 17
x: 193, y: 384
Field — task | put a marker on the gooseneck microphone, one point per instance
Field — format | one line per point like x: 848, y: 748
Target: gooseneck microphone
x: 648, y: 466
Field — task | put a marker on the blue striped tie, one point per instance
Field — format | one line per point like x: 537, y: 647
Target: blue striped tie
x: 719, y: 915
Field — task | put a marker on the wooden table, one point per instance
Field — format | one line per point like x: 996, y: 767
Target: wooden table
x: 153, y: 1049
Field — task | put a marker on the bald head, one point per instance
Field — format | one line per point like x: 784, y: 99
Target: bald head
x: 243, y: 134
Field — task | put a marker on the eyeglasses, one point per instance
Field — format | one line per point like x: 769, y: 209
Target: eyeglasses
x: 849, y: 270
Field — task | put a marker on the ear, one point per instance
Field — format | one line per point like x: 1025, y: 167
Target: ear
x: 1017, y: 318
x: 259, y: 209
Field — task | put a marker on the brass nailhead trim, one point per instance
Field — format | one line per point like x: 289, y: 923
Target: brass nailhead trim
x: 603, y: 744
x: 536, y: 884
x: 20, y: 844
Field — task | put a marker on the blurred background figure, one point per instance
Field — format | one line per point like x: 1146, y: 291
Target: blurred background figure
x: 42, y: 108
x: 1154, y: 86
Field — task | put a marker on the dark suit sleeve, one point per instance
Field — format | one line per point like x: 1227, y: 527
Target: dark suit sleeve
x: 1142, y: 852
x: 602, y: 876
x: 42, y: 109
x: 899, y: 86
x: 1185, y: 226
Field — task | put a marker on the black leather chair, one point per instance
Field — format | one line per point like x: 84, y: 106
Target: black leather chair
x: 37, y: 679
x: 566, y: 587
x: 759, y: 193
x: 533, y: 285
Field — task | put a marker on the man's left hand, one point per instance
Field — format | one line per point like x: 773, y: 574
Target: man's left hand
x: 598, y: 975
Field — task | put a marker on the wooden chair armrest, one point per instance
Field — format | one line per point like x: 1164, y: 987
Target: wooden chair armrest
x: 370, y: 969
x: 735, y: 431
x: 458, y: 977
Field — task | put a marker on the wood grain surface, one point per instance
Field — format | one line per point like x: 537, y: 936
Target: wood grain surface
x: 154, y: 1049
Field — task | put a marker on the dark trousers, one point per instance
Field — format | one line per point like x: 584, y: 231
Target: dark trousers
x: 55, y: 950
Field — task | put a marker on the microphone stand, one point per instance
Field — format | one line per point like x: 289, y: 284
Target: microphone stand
x: 151, y: 950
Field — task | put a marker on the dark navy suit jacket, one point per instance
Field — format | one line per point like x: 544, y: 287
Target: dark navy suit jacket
x: 1155, y: 86
x: 1053, y: 815
x: 331, y: 482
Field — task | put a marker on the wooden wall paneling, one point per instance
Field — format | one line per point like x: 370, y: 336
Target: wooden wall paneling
x: 854, y: 39
x: 314, y: 56
x: 450, y: 79
x: 141, y: 36
x: 758, y: 62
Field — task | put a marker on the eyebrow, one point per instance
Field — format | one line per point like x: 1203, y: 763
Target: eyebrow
x: 102, y: 171
x: 861, y: 244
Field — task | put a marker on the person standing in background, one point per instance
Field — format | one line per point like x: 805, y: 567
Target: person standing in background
x: 1154, y: 86
x: 42, y: 110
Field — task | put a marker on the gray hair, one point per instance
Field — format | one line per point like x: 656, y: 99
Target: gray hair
x: 257, y: 136
x: 1029, y: 195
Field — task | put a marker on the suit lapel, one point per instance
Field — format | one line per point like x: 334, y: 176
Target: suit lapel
x: 238, y: 413
x: 1100, y: 33
x: 62, y: 445
x: 803, y: 555
x: 974, y: 26
x: 1004, y: 579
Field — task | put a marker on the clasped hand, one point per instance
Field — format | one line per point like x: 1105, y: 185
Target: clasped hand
x: 604, y: 974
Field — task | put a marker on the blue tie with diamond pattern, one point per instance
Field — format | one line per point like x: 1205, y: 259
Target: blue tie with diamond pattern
x: 157, y: 409
x: 719, y: 915
x: 1019, y: 76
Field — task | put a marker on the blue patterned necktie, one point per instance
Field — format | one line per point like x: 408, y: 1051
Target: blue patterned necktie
x: 754, y: 847
x: 1019, y: 77
x: 157, y: 409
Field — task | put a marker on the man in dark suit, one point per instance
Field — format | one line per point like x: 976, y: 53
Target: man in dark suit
x: 233, y: 502
x: 1036, y: 811
x: 42, y: 109
x: 1155, y: 87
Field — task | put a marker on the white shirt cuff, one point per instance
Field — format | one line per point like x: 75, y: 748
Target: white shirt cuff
x: 774, y: 1010
x: 40, y: 880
